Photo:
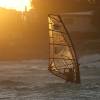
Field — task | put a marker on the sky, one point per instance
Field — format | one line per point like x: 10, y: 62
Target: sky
x: 23, y: 39
x: 28, y: 39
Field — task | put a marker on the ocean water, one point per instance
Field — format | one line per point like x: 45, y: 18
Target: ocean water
x: 30, y: 80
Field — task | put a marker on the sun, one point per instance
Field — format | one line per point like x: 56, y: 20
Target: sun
x: 18, y: 5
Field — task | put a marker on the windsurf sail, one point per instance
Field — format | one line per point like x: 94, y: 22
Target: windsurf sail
x: 62, y: 59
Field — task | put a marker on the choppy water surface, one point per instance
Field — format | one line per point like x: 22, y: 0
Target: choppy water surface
x: 30, y: 80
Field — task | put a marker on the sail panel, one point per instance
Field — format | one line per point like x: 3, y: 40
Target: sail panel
x: 63, y: 61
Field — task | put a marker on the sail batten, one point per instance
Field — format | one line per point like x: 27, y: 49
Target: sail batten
x: 62, y: 60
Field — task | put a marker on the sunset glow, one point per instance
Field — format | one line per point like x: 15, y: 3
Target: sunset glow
x: 18, y: 5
